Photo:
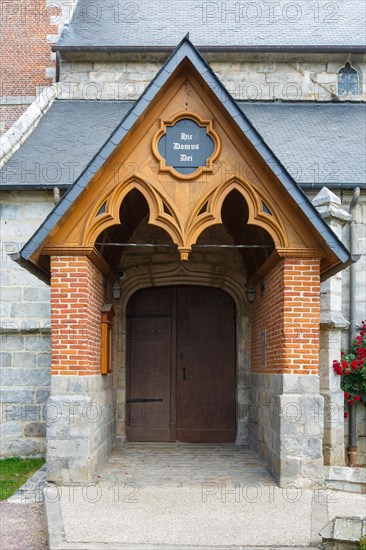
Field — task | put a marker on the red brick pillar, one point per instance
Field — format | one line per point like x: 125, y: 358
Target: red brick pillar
x: 286, y: 413
x: 76, y: 302
x: 285, y: 319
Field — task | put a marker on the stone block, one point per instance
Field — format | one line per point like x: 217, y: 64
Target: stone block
x: 11, y: 294
x: 22, y: 412
x: 23, y: 447
x: 16, y: 396
x: 81, y: 470
x: 54, y: 466
x: 344, y: 530
x: 101, y: 77
x: 32, y: 310
x: 301, y: 447
x: 42, y: 395
x: 68, y: 448
x: 36, y: 294
x: 9, y: 211
x: 24, y: 359
x: 38, y: 342
x: 5, y: 360
x: 25, y: 377
x: 108, y: 67
x: 35, y: 429
x: 290, y: 468
x: 16, y: 277
x: 86, y: 66
x: 44, y: 360
x: 12, y: 342
x: 10, y: 429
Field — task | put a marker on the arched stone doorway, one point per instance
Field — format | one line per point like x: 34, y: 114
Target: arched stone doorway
x: 217, y: 262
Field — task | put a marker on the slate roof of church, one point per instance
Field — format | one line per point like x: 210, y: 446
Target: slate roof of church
x: 316, y: 142
x: 263, y: 24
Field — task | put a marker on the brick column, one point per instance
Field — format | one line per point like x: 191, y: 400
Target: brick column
x: 77, y: 297
x: 331, y: 324
x: 80, y: 411
x: 286, y: 421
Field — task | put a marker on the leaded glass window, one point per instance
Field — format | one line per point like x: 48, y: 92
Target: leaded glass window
x: 347, y: 80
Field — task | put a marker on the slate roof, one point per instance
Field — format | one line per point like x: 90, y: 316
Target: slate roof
x: 264, y: 23
x: 65, y: 140
x: 186, y: 51
x: 316, y: 142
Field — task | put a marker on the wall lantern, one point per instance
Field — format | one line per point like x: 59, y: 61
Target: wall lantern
x: 251, y: 293
x: 116, y: 290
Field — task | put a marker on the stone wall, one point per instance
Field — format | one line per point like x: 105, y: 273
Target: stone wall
x: 80, y: 426
x: 256, y: 77
x: 25, y: 330
x: 286, y: 426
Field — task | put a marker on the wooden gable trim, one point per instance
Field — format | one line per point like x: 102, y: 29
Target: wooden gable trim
x: 160, y: 188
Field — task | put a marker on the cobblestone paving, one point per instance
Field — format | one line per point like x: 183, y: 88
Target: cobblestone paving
x: 181, y: 464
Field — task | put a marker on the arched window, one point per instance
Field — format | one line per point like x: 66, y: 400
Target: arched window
x: 347, y: 80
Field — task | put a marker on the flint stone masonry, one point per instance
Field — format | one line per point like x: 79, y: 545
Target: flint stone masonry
x: 283, y: 78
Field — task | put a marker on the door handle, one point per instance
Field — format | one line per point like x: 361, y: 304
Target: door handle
x: 184, y: 373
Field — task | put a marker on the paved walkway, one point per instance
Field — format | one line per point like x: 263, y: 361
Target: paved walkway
x: 184, y: 464
x: 165, y: 496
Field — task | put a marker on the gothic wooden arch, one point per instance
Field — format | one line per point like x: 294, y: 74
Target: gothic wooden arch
x: 113, y: 200
x: 203, y: 214
x: 270, y: 222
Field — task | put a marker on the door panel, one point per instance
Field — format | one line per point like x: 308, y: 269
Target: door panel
x: 149, y: 327
x: 181, y: 354
x: 205, y: 366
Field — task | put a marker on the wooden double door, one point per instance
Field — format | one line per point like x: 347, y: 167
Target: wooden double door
x: 181, y: 381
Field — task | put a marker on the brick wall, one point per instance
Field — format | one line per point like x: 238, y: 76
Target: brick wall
x: 289, y: 314
x: 10, y: 114
x: 25, y: 54
x: 77, y: 297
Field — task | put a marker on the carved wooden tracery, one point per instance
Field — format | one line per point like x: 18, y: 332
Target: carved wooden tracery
x: 185, y: 235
